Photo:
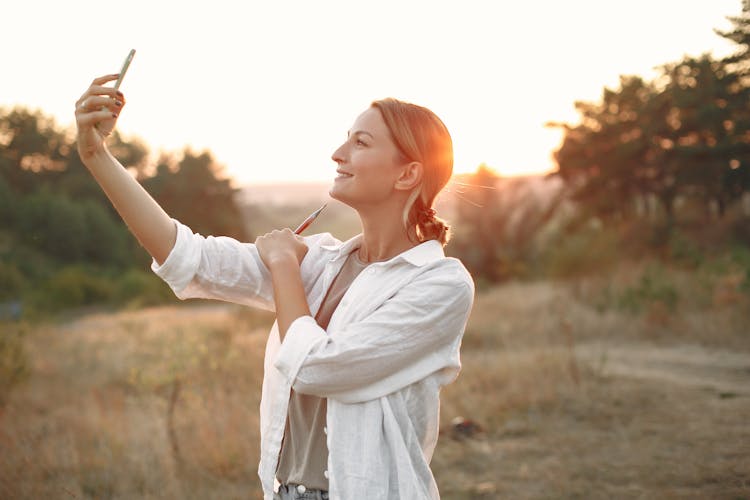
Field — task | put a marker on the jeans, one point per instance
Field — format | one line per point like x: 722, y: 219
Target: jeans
x: 292, y: 492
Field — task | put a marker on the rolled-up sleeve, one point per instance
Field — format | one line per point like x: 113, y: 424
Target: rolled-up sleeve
x: 219, y: 268
x: 412, y: 335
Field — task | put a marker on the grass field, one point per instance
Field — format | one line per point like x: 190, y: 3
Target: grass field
x: 570, y: 398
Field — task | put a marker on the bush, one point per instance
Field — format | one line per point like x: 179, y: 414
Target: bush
x: 137, y: 288
x: 73, y: 287
x: 652, y: 289
x: 11, y: 282
x: 7, y: 204
x: 684, y: 250
x: 585, y: 251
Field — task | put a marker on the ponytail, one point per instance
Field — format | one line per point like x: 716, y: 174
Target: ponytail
x: 427, y: 225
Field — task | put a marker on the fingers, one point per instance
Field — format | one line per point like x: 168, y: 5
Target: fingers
x: 92, y: 118
x: 97, y: 88
x: 277, y: 235
x: 96, y: 103
x: 279, y: 232
x: 99, y: 92
x: 280, y: 238
x: 104, y: 79
x: 99, y: 105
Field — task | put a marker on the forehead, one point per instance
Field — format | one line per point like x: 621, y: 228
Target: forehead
x: 371, y: 121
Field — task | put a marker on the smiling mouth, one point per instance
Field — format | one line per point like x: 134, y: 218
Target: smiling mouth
x: 342, y: 175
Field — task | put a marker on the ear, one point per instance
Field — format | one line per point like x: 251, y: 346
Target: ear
x: 410, y: 177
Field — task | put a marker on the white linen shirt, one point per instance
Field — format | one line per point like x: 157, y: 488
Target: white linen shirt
x: 391, y: 344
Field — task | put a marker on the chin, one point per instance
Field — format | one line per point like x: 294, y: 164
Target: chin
x: 336, y: 194
x: 347, y: 198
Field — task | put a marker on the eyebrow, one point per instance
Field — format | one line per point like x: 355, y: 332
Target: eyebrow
x: 361, y: 132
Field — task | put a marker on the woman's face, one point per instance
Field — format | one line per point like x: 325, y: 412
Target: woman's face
x: 367, y: 163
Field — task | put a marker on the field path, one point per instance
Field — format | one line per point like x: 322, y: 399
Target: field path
x: 693, y: 366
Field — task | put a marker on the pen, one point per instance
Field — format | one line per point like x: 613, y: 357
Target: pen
x: 309, y: 220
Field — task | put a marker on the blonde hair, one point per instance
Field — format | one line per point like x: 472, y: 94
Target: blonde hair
x: 421, y: 136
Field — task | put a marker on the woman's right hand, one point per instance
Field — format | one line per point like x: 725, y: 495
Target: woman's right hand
x: 96, y: 114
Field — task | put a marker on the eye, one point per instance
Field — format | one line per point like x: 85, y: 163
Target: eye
x: 360, y: 142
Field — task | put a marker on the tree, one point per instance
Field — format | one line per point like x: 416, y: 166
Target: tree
x: 740, y: 35
x: 193, y: 192
x: 54, y: 217
x: 31, y: 145
x: 686, y: 134
x: 605, y: 157
x: 737, y: 180
x: 701, y: 139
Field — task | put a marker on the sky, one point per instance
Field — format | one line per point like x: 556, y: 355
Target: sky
x: 271, y: 88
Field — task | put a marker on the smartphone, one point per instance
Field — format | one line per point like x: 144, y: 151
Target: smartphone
x: 124, y: 69
x: 106, y: 127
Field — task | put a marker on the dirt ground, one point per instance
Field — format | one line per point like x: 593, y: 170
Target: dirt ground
x: 648, y: 421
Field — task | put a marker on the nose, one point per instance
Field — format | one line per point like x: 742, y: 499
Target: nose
x: 338, y: 155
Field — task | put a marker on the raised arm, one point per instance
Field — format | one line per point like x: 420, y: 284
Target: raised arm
x: 96, y: 114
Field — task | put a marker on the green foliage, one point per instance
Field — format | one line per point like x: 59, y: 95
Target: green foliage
x: 139, y: 289
x: 735, y: 262
x: 684, y: 135
x: 654, y: 287
x: 61, y: 242
x: 655, y: 169
x: 73, y: 286
x: 684, y: 250
x: 11, y: 282
x: 192, y: 192
x: 7, y: 204
x: 583, y: 251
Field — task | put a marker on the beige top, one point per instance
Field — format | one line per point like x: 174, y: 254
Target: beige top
x: 304, y: 454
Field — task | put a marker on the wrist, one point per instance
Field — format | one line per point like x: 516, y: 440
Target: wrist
x: 93, y: 155
x: 282, y: 261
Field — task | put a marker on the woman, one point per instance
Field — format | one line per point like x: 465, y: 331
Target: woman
x: 367, y: 330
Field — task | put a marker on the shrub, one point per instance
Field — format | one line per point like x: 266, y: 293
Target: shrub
x: 73, y: 287
x: 587, y: 250
x: 652, y: 289
x: 11, y: 282
x: 137, y: 288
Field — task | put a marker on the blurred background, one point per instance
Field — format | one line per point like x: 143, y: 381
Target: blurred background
x: 601, y: 200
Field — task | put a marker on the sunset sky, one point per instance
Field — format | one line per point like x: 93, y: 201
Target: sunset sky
x: 271, y: 88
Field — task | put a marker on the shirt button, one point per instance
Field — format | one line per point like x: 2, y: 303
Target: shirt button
x: 325, y: 430
x: 301, y: 488
x: 325, y: 474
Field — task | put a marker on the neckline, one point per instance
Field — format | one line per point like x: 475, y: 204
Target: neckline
x: 357, y: 259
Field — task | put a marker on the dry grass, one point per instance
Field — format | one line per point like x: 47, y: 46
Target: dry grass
x: 163, y: 403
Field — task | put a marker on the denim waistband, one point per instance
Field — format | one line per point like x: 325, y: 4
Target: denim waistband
x: 299, y: 492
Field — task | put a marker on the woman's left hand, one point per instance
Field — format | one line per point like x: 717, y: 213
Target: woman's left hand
x: 281, y: 247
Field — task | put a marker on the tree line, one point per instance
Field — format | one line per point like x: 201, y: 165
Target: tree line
x: 61, y: 242
x: 655, y: 167
x: 683, y: 136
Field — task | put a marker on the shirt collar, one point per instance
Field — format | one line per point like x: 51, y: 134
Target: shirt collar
x: 424, y: 253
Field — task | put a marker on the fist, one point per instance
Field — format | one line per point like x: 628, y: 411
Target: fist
x: 281, y: 247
